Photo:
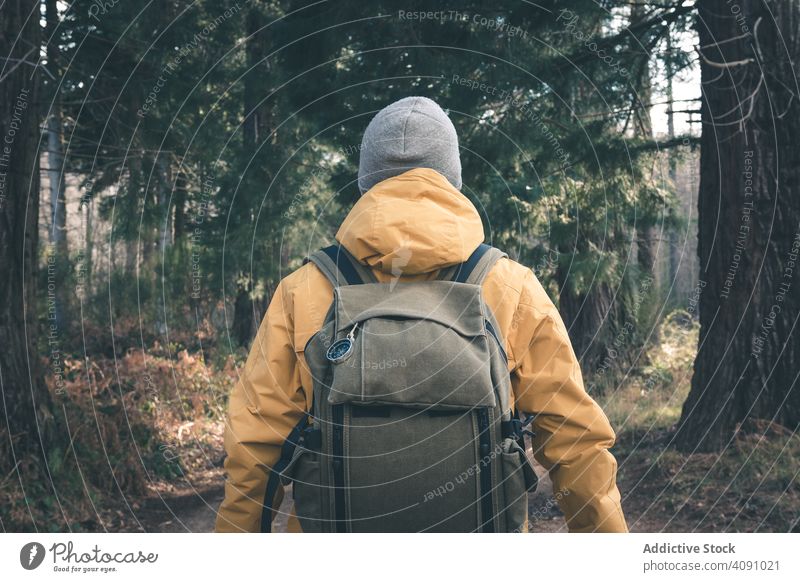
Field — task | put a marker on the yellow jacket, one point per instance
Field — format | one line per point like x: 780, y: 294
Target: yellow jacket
x: 409, y: 227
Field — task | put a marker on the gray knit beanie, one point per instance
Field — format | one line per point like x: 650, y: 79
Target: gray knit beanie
x: 410, y: 133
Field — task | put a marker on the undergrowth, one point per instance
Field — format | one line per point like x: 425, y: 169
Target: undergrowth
x: 752, y: 485
x: 131, y: 424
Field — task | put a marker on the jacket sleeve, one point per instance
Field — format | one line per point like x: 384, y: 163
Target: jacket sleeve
x: 264, y: 406
x: 573, y: 434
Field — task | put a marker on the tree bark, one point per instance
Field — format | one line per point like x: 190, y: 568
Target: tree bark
x: 179, y: 216
x: 256, y: 129
x: 245, y: 322
x: 597, y: 324
x: 89, y: 247
x: 163, y: 191
x: 674, y: 259
x: 647, y: 235
x: 57, y: 231
x: 55, y: 173
x: 748, y: 360
x: 26, y: 420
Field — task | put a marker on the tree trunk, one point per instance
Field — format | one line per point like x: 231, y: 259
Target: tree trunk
x: 163, y: 191
x: 647, y: 235
x: 597, y: 325
x: 674, y: 259
x: 245, y: 324
x: 643, y: 125
x: 135, y: 240
x: 748, y: 361
x: 131, y: 256
x: 179, y: 217
x: 26, y: 406
x: 57, y: 231
x: 256, y: 129
x: 55, y: 167
x: 89, y: 248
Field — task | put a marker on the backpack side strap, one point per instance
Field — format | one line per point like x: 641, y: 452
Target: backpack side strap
x: 287, y: 450
x: 340, y: 267
x: 476, y: 267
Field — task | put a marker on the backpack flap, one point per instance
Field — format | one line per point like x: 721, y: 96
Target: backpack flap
x: 419, y: 346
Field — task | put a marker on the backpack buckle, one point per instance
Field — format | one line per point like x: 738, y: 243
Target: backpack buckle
x: 517, y: 428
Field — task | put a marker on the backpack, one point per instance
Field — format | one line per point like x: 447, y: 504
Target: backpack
x: 412, y: 427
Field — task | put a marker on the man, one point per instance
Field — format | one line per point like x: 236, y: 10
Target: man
x: 410, y: 223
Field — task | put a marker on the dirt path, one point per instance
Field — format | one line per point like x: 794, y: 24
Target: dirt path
x: 192, y: 507
x: 187, y: 508
x: 195, y: 511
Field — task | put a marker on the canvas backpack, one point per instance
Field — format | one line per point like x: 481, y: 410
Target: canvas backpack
x: 411, y: 427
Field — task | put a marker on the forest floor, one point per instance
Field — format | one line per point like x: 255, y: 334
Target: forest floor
x: 661, y: 492
x: 193, y: 507
x: 752, y: 486
x: 146, y: 452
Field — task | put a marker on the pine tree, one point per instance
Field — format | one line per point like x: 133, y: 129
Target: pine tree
x: 746, y: 368
x: 27, y: 422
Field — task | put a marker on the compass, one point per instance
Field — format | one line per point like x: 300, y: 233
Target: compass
x: 342, y: 349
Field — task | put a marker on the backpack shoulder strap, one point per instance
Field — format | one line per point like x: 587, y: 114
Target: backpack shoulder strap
x: 340, y: 267
x: 476, y: 267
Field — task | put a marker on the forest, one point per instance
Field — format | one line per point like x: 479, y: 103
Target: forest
x: 164, y: 164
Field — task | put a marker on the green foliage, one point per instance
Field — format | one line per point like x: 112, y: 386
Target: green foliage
x: 219, y: 142
x: 647, y: 395
x: 244, y: 121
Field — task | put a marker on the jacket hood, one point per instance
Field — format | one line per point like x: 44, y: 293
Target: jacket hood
x: 413, y: 223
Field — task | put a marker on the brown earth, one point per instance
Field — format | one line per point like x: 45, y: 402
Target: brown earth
x: 193, y: 507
